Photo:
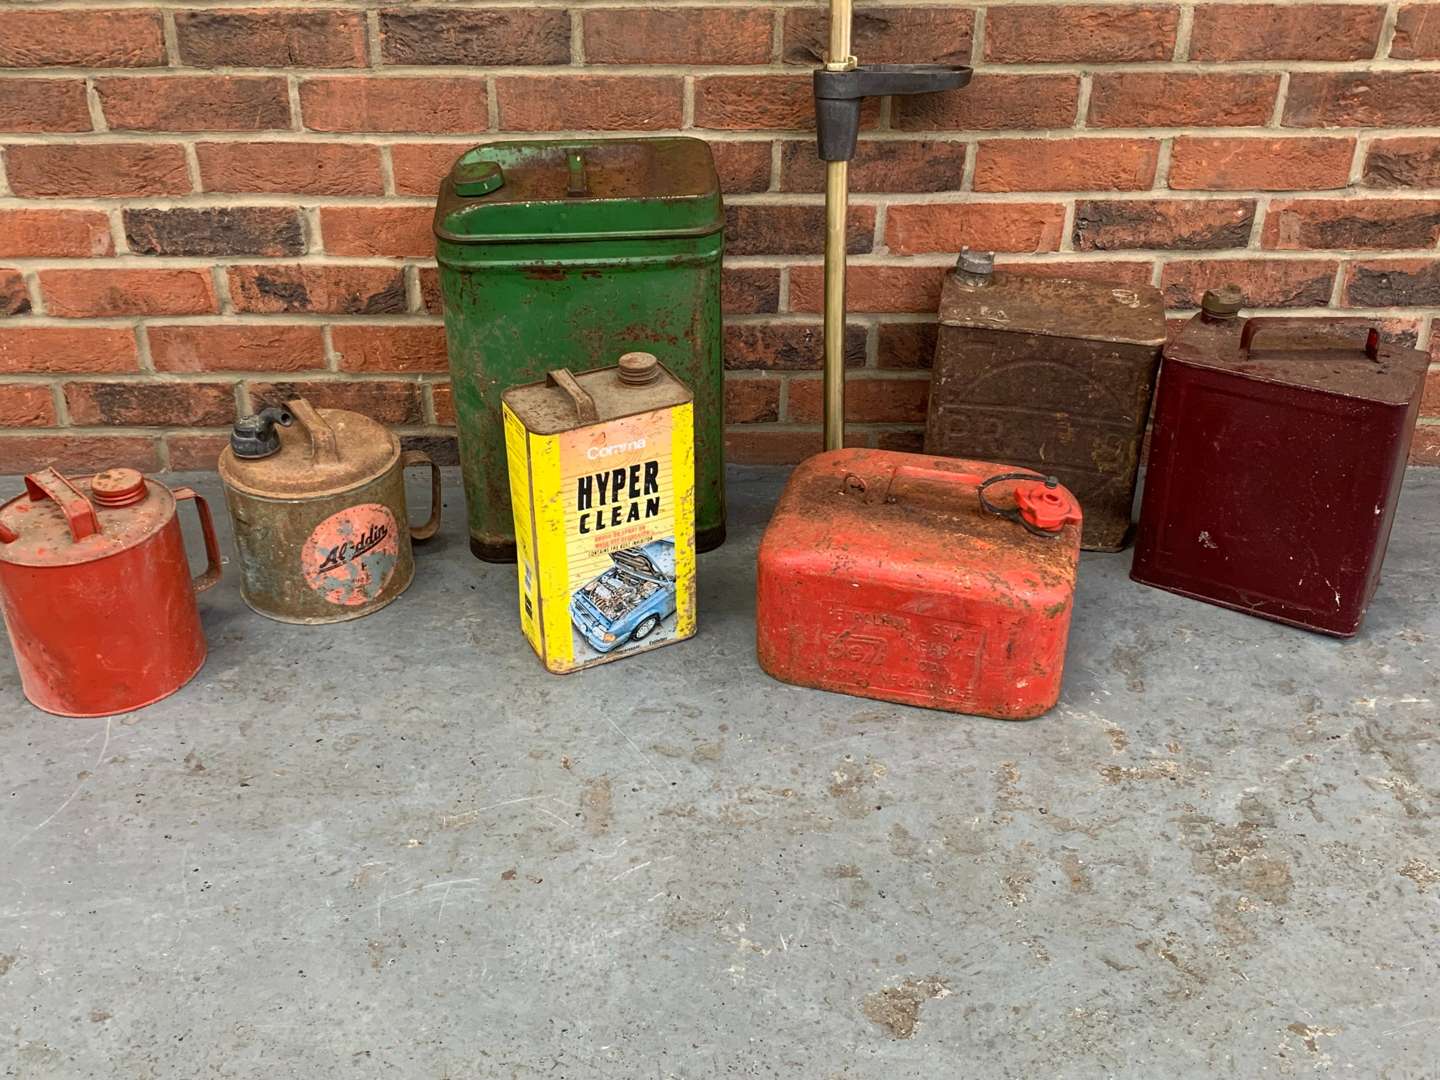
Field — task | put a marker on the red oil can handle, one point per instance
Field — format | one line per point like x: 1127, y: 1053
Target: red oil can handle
x: 211, y: 576
x: 432, y: 525
x: 1254, y: 327
x: 78, y: 510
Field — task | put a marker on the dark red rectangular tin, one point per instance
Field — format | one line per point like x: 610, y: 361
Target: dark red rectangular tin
x: 1054, y: 375
x: 1275, y: 466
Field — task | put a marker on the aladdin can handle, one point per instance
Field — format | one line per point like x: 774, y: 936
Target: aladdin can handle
x: 78, y: 511
x: 1253, y: 327
x: 431, y: 526
x: 211, y: 576
x: 322, y: 436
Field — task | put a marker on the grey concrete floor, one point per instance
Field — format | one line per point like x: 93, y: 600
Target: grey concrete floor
x: 398, y: 847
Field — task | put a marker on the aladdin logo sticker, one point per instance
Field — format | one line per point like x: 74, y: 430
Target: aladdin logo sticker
x: 351, y: 555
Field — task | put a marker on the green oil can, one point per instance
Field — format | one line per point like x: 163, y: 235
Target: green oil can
x: 565, y: 253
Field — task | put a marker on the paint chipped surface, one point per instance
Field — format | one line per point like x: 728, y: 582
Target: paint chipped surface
x: 351, y: 555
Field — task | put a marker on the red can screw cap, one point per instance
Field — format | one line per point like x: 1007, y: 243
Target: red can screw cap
x: 1047, y: 506
x: 117, y: 487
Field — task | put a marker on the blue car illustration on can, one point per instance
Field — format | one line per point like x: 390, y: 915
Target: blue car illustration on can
x: 628, y: 602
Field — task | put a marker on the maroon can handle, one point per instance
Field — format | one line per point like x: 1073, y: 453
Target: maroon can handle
x: 211, y: 576
x: 1255, y: 326
x: 78, y: 510
x: 432, y: 525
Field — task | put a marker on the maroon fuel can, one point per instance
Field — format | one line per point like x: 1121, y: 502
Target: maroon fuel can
x: 1276, y: 459
x: 96, y: 591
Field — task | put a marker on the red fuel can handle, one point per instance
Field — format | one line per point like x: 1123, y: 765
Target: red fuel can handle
x: 96, y: 591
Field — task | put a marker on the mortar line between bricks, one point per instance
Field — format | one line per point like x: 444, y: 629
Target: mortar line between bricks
x: 191, y: 378
x: 596, y: 5
x: 171, y: 37
x: 143, y: 355
x: 61, y: 406
x: 577, y: 36
x: 1082, y: 103
x: 311, y: 203
x: 372, y: 39
x: 31, y: 278
x: 387, y: 171
x: 1386, y: 41
x: 567, y: 69
x: 118, y: 239
x: 1282, y: 97
x: 758, y: 261
x: 93, y: 106
x: 192, y: 167
x: 466, y: 139
x: 222, y: 290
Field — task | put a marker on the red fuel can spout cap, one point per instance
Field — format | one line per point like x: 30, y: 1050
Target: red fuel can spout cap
x: 1047, y: 505
x: 1042, y: 506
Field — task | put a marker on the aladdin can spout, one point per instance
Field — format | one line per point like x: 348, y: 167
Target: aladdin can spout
x: 317, y: 497
x: 97, y: 593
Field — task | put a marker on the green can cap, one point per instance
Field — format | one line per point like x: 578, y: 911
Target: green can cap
x: 473, y: 176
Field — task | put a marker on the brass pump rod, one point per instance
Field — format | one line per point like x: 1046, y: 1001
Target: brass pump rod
x: 837, y: 200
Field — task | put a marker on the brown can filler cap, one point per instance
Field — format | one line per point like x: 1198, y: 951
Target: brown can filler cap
x: 639, y: 368
x: 1224, y: 302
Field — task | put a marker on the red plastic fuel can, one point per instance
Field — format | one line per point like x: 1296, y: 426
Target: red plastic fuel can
x: 1275, y: 466
x: 97, y: 594
x: 928, y: 581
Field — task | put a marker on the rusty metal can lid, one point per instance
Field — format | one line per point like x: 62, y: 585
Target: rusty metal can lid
x: 323, y: 452
x: 639, y: 368
x: 117, y: 487
x: 978, y: 263
x: 60, y: 522
x: 1224, y: 300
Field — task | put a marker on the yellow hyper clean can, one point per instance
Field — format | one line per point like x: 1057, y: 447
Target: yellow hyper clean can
x: 602, y: 479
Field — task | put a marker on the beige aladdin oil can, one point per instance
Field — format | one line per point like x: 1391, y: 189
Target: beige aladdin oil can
x: 602, y: 479
x: 317, y: 497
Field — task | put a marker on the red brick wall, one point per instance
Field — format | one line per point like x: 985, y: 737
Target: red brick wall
x: 202, y: 205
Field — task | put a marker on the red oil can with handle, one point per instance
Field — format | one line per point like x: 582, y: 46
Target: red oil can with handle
x: 1275, y: 466
x: 928, y: 581
x: 96, y: 591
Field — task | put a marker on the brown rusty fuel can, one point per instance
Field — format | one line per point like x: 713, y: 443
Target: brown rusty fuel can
x: 1275, y: 465
x: 1051, y: 374
x: 96, y: 591
x: 318, y: 501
